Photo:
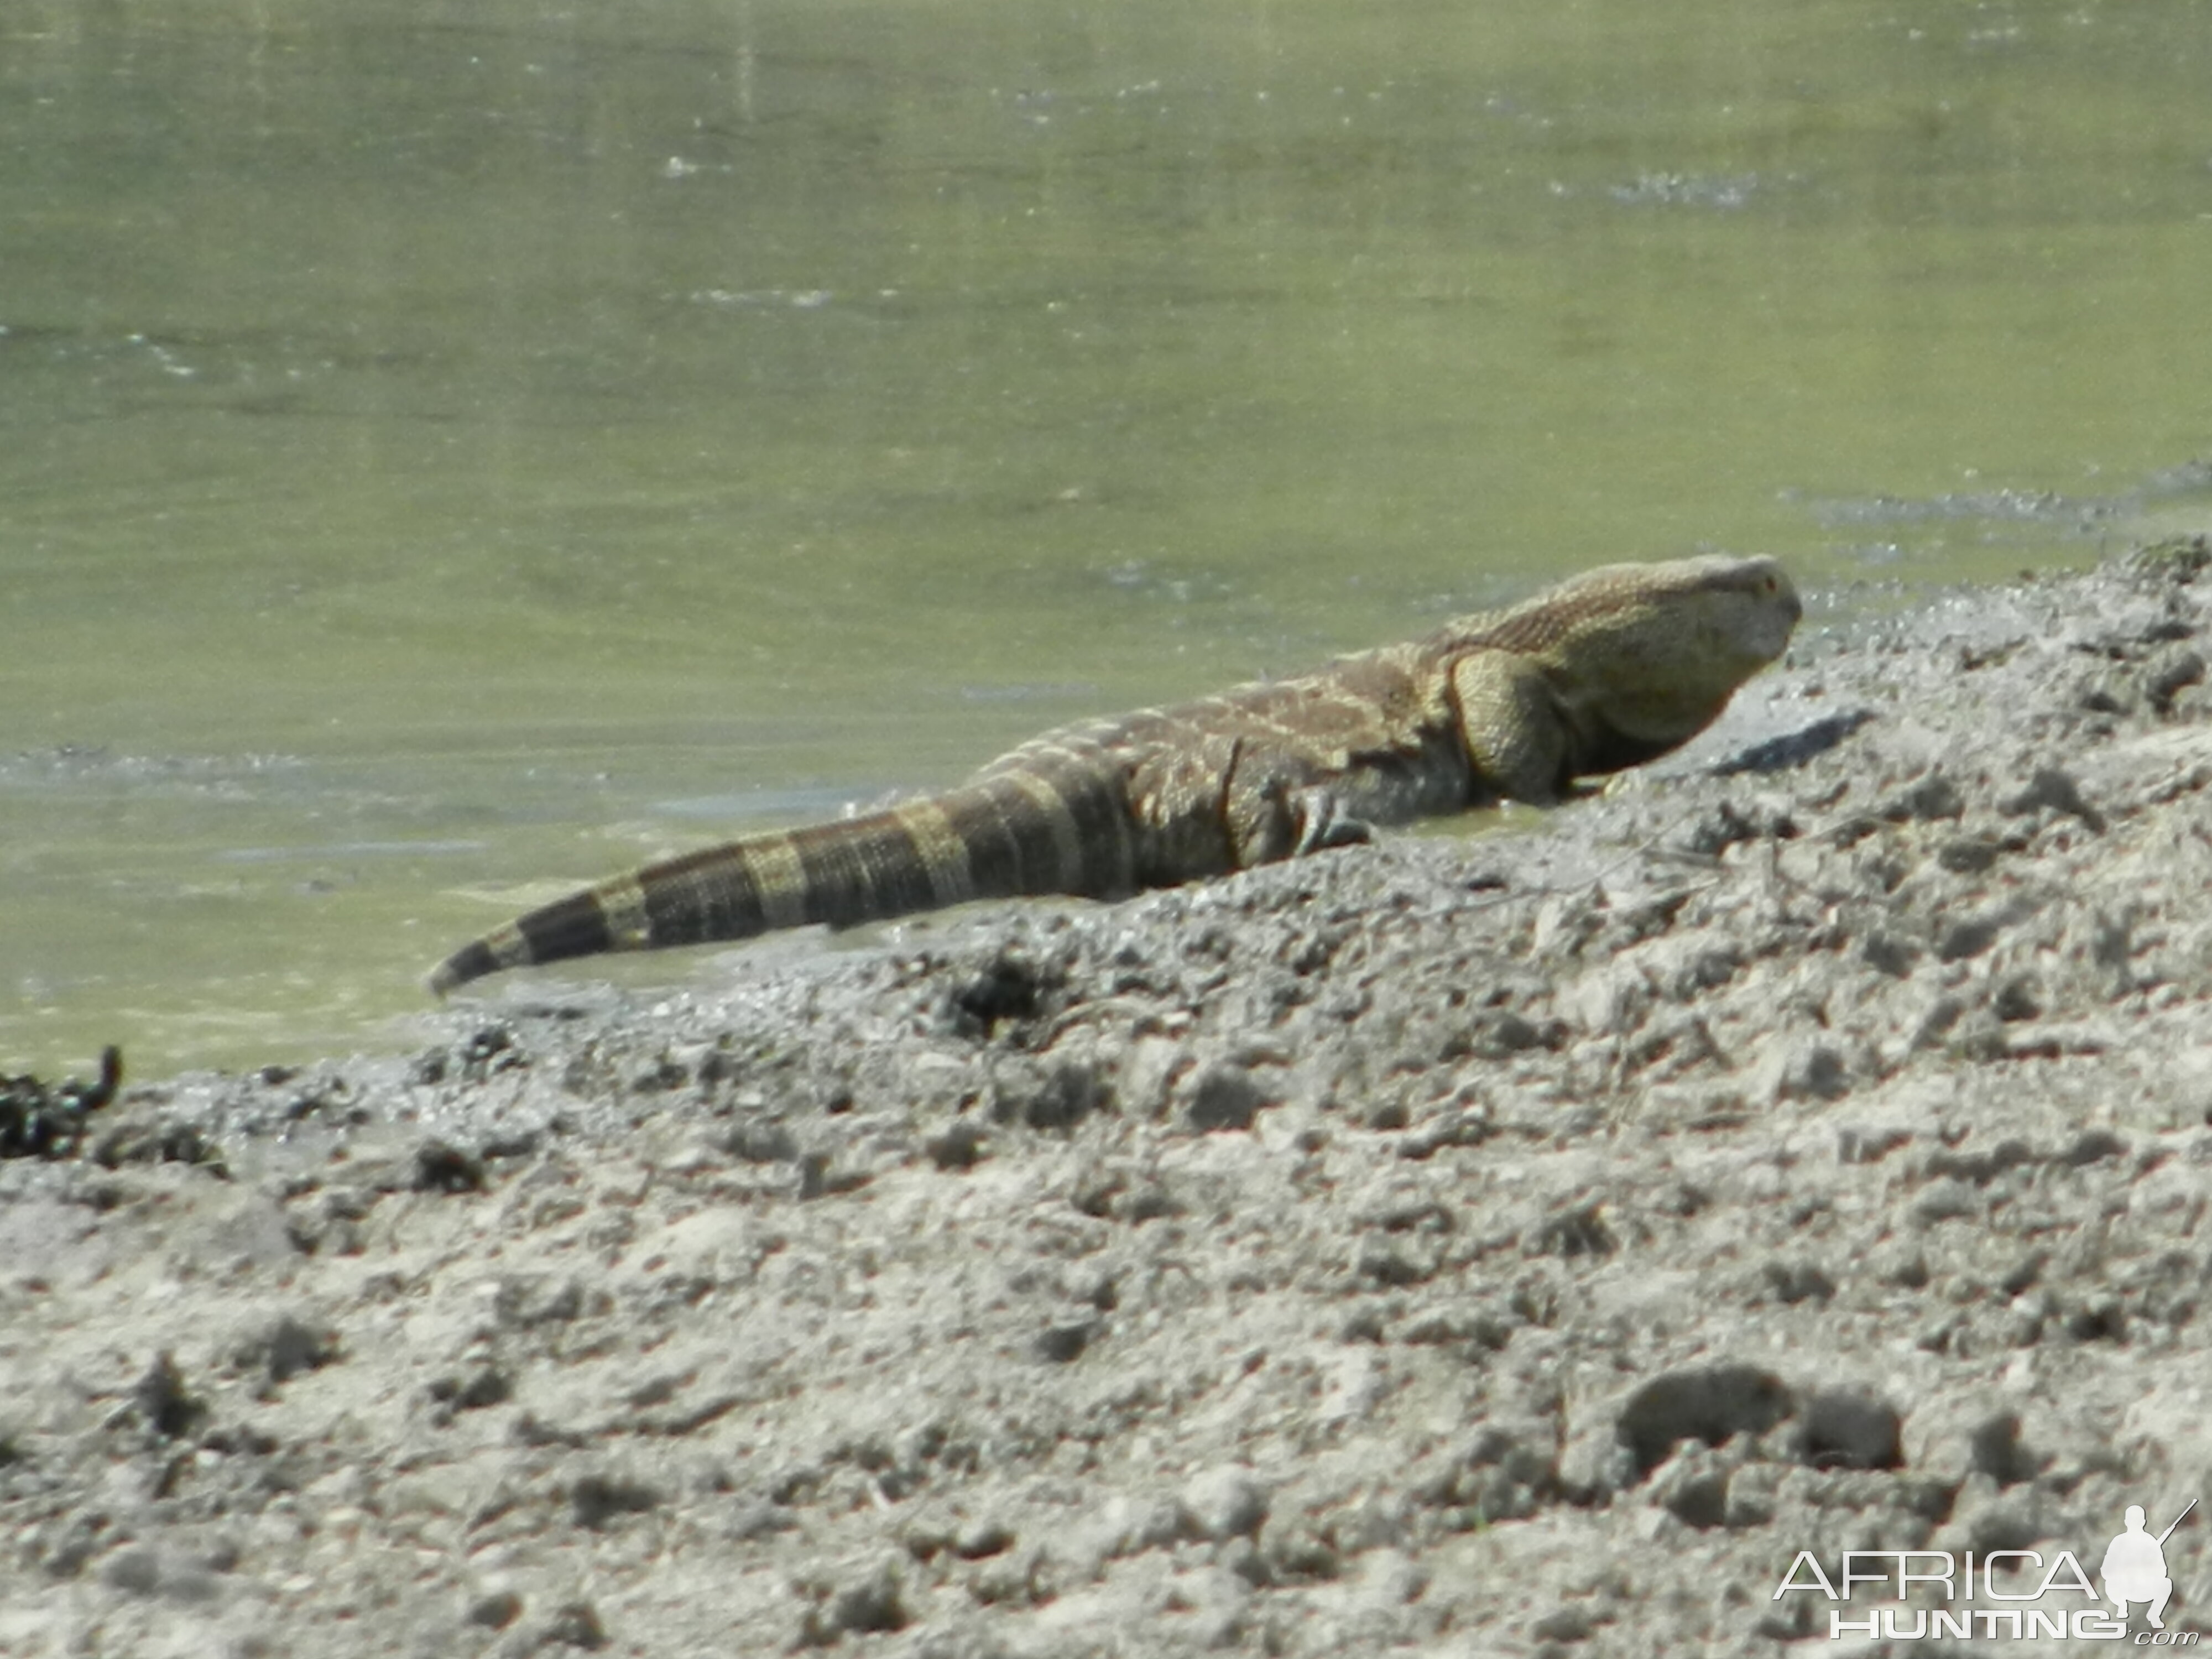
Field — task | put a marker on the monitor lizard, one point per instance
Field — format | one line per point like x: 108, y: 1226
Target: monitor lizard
x: 1606, y: 671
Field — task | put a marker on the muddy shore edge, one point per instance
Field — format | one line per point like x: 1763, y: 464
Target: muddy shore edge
x: 1522, y: 1243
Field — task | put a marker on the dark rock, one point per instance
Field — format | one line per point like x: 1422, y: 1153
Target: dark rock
x: 1844, y: 1429
x: 496, y: 1609
x: 1224, y: 1097
x: 1712, y: 1403
x: 596, y: 1500
x: 166, y: 1407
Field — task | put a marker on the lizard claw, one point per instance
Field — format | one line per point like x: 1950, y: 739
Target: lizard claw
x: 1321, y: 825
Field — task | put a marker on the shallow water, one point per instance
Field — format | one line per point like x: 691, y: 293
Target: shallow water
x: 449, y: 452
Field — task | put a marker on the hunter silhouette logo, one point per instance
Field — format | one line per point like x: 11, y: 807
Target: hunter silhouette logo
x: 2133, y: 1573
x: 2135, y: 1567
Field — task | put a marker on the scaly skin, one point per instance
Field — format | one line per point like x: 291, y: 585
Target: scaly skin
x: 1607, y: 670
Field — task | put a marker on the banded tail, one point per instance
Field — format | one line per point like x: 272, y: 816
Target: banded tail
x: 1063, y: 829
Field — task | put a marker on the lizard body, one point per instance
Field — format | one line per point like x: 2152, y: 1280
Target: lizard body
x: 1608, y: 670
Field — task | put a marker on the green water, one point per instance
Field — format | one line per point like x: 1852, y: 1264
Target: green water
x: 451, y: 450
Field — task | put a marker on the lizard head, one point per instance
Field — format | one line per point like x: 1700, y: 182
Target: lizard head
x: 1647, y: 655
x: 1737, y: 614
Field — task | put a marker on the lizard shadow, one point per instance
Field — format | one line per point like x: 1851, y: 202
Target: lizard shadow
x: 1794, y: 749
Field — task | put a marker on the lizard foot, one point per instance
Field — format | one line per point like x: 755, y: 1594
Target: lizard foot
x: 1321, y: 824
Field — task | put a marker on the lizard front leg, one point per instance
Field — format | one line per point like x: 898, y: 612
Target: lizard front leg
x: 1510, y: 723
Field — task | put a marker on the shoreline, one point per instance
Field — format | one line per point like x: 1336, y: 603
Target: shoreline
x: 1522, y: 1243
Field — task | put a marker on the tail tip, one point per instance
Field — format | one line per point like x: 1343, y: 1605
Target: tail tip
x: 471, y: 961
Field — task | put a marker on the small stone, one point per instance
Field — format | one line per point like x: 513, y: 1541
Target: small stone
x: 960, y: 1147
x: 1933, y: 796
x: 1947, y: 1199
x: 1793, y: 1282
x: 1301, y: 1552
x: 524, y: 1300
x: 440, y: 1167
x: 1997, y: 1450
x: 979, y: 1540
x: 2051, y: 787
x: 135, y: 1568
x: 1573, y: 1623
x: 758, y: 1518
x: 1969, y: 935
x: 473, y: 1389
x: 2016, y: 999
x: 1149, y: 1072
x: 286, y: 1346
x: 872, y: 1603
x: 1889, y: 953
x: 1697, y: 1496
x: 1223, y: 1097
x: 190, y: 1583
x: 2177, y: 666
x: 1224, y: 1502
x: 597, y: 1499
x: 1596, y: 1461
x: 1806, y: 1069
x: 1968, y: 855
x: 1388, y: 1578
x: 1055, y: 1097
x: 576, y: 1625
x: 494, y: 1608
x: 1063, y: 1344
x: 2091, y: 1146
x: 1751, y: 1496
